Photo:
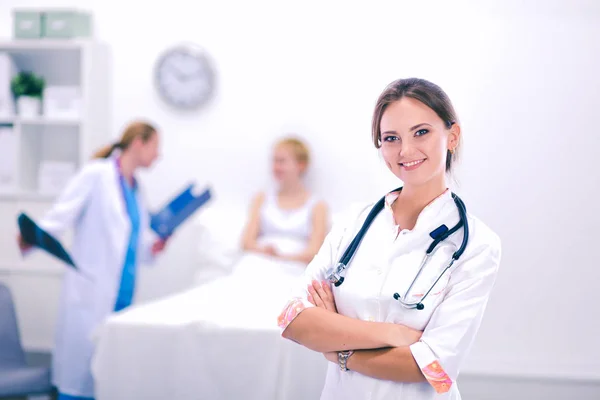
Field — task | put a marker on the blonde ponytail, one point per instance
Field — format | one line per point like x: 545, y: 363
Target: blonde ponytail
x: 106, y: 151
x: 135, y: 129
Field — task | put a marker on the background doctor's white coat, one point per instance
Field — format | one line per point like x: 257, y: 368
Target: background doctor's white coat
x: 92, y: 205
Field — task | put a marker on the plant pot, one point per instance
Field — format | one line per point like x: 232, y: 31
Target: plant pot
x: 28, y: 106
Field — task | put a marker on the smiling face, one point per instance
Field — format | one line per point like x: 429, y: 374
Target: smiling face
x: 415, y: 141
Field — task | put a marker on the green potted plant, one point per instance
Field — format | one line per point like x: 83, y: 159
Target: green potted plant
x: 28, y: 88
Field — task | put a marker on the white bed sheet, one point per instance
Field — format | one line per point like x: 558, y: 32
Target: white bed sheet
x: 216, y: 341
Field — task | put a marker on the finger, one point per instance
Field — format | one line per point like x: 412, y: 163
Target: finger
x: 319, y: 288
x: 327, y: 289
x: 316, y: 296
x: 330, y: 301
x: 326, y: 297
x: 311, y: 300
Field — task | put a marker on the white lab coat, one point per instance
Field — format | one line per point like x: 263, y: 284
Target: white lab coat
x: 92, y: 204
x: 386, y: 262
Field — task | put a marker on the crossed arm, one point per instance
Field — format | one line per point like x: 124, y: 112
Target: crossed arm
x: 381, y: 350
x: 395, y: 352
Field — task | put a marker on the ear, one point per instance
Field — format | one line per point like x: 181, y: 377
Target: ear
x: 454, y: 136
x: 303, y: 167
x: 136, y: 142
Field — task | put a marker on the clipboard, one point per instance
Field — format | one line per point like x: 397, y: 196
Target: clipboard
x: 166, y: 221
x: 34, y: 235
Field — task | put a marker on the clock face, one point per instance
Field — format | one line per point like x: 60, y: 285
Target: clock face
x: 184, y: 77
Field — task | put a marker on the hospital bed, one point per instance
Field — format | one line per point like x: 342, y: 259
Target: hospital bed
x: 189, y: 346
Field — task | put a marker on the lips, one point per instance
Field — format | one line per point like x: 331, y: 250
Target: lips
x: 411, y: 165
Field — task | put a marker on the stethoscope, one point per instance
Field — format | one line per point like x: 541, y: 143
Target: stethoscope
x: 335, y: 274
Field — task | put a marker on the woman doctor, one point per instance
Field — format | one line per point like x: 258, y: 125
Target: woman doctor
x: 378, y: 348
x: 104, y: 205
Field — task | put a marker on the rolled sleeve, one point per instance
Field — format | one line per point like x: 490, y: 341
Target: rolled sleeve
x: 454, y: 324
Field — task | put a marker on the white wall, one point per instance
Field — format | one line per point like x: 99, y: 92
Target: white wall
x: 524, y: 78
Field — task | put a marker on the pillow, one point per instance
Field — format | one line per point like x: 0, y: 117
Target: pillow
x: 218, y: 239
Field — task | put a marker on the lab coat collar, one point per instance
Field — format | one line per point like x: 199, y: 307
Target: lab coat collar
x: 134, y: 184
x: 430, y: 211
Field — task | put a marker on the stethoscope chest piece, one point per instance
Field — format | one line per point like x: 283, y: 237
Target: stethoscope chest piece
x: 418, y: 306
x: 334, y: 274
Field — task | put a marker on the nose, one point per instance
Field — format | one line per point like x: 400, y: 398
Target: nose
x: 405, y: 149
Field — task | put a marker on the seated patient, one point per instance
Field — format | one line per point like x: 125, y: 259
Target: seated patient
x: 285, y: 229
x: 287, y: 222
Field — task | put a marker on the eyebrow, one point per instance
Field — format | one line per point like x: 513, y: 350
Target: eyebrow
x: 419, y: 125
x: 411, y: 129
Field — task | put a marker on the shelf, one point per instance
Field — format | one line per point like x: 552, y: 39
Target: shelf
x: 55, y: 146
x: 40, y: 121
x: 60, y: 63
x: 42, y: 44
x: 49, y: 148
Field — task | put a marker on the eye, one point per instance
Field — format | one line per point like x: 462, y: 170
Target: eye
x: 421, y: 132
x: 390, y: 138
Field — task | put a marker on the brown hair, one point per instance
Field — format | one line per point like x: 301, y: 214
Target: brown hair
x: 298, y: 147
x: 421, y: 90
x: 140, y: 129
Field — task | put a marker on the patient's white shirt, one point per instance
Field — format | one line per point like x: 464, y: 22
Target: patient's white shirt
x: 286, y: 228
x: 386, y: 262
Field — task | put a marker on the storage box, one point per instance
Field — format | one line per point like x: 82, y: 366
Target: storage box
x: 66, y: 24
x: 27, y: 24
x: 62, y: 102
x: 53, y: 176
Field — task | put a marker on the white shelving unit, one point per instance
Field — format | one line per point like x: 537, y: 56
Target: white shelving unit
x: 35, y: 281
x: 83, y: 64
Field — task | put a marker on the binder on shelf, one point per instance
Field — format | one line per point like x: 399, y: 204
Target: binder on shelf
x: 166, y: 221
x: 32, y: 234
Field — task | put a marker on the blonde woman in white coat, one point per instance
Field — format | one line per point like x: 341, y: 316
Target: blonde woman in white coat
x: 104, y: 206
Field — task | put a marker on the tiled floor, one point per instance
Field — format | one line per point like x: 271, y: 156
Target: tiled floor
x: 486, y: 388
x: 495, y: 388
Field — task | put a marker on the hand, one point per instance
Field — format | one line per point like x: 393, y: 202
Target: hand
x: 159, y: 246
x: 23, y: 246
x: 269, y: 250
x: 413, y: 335
x: 402, y: 335
x: 320, y: 295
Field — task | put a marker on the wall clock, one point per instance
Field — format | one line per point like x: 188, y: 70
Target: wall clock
x: 184, y: 77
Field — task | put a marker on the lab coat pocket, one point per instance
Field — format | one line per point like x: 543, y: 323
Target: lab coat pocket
x: 434, y: 278
x: 428, y: 286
